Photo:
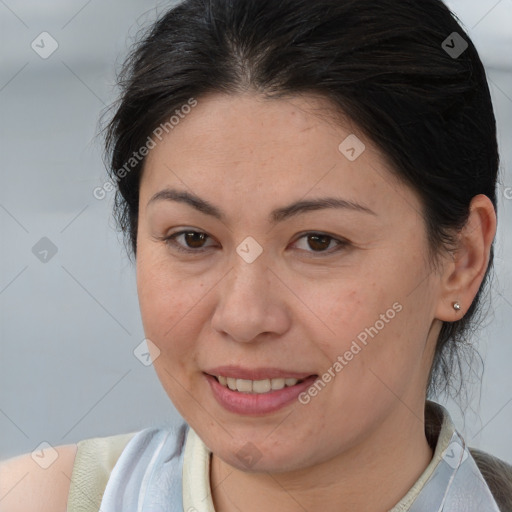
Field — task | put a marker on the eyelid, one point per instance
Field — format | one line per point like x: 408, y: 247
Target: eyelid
x: 170, y: 240
x: 340, y: 243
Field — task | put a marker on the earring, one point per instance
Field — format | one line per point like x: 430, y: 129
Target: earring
x: 456, y: 306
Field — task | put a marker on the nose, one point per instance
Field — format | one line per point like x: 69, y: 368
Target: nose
x: 251, y: 302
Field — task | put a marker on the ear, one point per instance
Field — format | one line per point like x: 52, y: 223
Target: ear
x: 463, y: 274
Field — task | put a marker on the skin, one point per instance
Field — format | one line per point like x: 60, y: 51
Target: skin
x: 357, y: 445
x: 360, y: 443
x: 27, y: 487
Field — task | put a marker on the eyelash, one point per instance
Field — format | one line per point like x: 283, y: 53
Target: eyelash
x: 171, y: 242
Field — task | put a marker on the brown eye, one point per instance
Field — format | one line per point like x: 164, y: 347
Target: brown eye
x: 193, y: 241
x: 320, y: 243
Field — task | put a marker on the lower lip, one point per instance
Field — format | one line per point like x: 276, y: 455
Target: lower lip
x: 256, y: 404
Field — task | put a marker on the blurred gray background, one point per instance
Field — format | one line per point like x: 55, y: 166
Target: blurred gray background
x: 69, y: 320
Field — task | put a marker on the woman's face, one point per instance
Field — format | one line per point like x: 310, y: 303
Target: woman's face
x: 278, y: 285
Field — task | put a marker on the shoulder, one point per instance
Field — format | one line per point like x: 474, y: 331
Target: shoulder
x: 38, y: 481
x: 45, y: 481
x: 498, y: 476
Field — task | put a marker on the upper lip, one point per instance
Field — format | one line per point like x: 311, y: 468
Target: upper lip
x: 238, y: 372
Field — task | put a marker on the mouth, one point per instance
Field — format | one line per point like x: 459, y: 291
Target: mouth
x: 256, y: 386
x: 257, y: 397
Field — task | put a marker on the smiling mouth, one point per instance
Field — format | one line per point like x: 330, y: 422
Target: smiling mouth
x: 257, y: 386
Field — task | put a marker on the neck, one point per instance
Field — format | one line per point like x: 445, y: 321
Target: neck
x: 371, y: 477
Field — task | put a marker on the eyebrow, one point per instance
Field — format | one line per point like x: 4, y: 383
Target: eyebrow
x: 277, y: 215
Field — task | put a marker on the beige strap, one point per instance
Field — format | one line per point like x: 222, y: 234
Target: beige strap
x: 94, y: 461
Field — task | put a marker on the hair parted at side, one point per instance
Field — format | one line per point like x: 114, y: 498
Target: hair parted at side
x: 381, y: 62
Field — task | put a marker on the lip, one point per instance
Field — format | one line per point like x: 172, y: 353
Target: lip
x: 238, y: 372
x: 252, y: 404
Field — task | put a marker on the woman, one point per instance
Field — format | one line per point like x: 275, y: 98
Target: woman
x: 308, y: 189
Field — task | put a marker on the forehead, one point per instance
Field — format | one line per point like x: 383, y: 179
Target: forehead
x: 243, y: 148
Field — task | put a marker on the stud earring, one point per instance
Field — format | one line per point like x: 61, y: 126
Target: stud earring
x: 456, y: 306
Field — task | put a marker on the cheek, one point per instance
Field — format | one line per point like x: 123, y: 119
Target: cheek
x: 370, y: 332
x: 344, y: 309
x: 170, y: 309
x: 164, y: 300
x: 175, y: 309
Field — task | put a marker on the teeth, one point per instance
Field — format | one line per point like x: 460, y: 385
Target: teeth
x: 280, y: 383
x: 261, y: 386
x: 256, y: 386
x: 244, y: 385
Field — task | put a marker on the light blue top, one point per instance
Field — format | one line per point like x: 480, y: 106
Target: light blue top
x: 149, y: 476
